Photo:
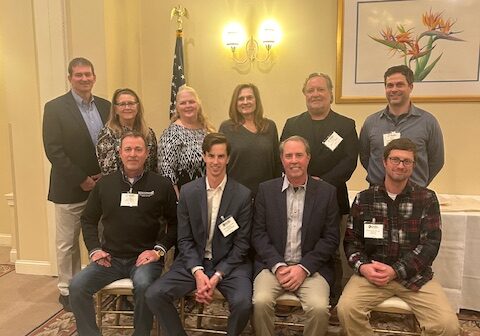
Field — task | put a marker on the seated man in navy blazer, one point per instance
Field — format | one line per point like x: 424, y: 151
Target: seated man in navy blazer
x: 214, y: 222
x: 295, y: 235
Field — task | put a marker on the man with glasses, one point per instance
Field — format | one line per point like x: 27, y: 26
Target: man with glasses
x: 71, y: 124
x: 401, y: 119
x: 393, y: 236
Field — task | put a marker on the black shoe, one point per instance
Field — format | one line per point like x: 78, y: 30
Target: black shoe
x: 65, y: 302
x: 334, y: 317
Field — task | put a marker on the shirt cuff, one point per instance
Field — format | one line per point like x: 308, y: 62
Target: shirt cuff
x: 158, y: 246
x: 305, y: 269
x: 196, y: 268
x: 219, y: 275
x: 276, y: 266
x: 357, y: 266
x: 93, y: 252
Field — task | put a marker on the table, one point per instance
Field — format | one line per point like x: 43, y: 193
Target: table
x: 457, y: 266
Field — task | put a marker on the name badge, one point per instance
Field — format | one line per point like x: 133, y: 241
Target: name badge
x: 372, y: 230
x: 333, y: 141
x: 228, y: 226
x: 146, y: 193
x: 129, y: 200
x: 387, y: 137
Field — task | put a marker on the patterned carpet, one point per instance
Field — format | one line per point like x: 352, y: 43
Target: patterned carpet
x: 6, y: 268
x: 63, y: 324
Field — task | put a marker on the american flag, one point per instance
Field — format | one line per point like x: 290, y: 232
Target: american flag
x: 178, y: 76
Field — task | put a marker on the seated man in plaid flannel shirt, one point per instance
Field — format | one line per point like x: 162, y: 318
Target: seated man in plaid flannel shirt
x: 393, y: 236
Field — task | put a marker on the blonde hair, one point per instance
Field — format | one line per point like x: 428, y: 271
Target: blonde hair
x: 139, y: 124
x: 202, y: 118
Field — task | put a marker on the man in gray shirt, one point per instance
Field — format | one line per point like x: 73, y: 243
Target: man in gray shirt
x: 401, y: 119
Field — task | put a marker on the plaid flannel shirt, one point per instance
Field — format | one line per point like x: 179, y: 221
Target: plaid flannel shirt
x: 411, y: 232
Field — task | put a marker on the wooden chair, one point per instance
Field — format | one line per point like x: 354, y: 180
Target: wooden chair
x: 118, y: 289
x: 198, y: 312
x: 289, y: 300
x: 395, y: 305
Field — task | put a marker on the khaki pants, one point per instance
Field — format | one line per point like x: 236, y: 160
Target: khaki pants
x: 429, y: 304
x: 313, y: 295
x: 67, y: 218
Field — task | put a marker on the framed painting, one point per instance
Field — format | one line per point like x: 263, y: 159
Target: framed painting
x: 439, y: 40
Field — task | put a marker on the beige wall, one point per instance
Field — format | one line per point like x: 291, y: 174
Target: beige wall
x: 20, y: 103
x: 131, y: 44
x: 308, y: 45
x: 5, y: 176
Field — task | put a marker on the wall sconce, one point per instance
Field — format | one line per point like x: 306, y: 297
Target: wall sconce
x: 234, y: 36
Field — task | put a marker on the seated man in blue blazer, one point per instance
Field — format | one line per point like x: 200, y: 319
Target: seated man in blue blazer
x: 295, y: 235
x: 214, y: 222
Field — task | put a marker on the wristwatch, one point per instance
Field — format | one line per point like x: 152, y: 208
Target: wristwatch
x: 159, y: 251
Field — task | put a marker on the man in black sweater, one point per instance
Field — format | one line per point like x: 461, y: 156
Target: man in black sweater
x: 334, y: 143
x: 131, y: 204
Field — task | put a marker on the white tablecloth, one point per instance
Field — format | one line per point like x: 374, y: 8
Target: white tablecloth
x: 457, y: 265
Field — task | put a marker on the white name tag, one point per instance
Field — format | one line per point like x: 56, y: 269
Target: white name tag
x: 387, y: 137
x: 129, y: 200
x: 372, y: 230
x: 333, y: 141
x: 228, y: 226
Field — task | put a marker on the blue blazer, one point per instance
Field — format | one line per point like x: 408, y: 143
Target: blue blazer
x: 69, y: 147
x: 229, y: 253
x: 320, y: 227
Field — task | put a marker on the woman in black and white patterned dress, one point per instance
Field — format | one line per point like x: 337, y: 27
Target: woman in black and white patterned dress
x: 180, y: 146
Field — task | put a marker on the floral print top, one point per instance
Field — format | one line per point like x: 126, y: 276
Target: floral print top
x: 108, y: 151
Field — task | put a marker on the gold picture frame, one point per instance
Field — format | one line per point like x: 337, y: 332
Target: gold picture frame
x: 373, y: 35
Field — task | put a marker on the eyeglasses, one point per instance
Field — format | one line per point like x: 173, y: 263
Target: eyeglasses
x: 396, y: 161
x: 125, y: 104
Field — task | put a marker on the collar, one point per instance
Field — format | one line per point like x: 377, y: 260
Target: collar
x: 221, y: 186
x: 409, y: 188
x: 326, y: 117
x: 412, y: 111
x: 286, y: 184
x: 79, y: 100
x: 135, y: 178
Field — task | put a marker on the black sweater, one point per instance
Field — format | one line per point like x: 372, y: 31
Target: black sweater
x: 128, y: 231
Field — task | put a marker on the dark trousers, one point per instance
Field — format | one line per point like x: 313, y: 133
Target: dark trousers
x: 236, y: 288
x: 94, y: 277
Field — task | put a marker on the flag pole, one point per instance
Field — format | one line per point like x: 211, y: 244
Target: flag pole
x: 178, y: 74
x: 179, y: 12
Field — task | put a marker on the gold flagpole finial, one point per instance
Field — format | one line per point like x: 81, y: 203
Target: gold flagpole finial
x: 180, y: 12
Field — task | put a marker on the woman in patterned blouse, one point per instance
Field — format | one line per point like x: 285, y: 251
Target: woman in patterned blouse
x: 126, y: 114
x: 180, y: 147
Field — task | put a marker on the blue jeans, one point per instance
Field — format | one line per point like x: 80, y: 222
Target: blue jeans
x: 94, y: 277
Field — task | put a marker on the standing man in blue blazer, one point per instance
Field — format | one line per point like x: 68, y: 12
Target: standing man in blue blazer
x: 214, y: 222
x: 295, y: 235
x: 71, y: 124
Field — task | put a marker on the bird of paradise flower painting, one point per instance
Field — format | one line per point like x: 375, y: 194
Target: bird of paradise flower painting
x: 417, y: 50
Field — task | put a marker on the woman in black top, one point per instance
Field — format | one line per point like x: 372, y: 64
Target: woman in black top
x: 254, y: 156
